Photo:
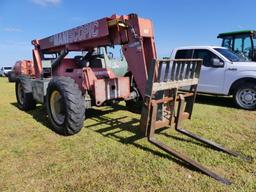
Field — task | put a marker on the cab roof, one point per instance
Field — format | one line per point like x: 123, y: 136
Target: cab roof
x: 201, y: 47
x: 234, y: 33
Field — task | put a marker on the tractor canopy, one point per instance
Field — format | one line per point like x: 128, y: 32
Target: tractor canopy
x: 237, y: 33
x: 243, y: 43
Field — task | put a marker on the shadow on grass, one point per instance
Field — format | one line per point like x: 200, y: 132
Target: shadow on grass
x: 115, y: 127
x: 39, y: 114
x: 222, y: 101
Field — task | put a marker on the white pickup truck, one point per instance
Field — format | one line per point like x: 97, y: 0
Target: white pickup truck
x: 223, y: 73
x: 4, y: 71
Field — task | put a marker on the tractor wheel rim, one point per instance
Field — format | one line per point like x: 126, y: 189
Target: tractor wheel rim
x: 57, y: 107
x: 247, y: 98
x: 20, y: 94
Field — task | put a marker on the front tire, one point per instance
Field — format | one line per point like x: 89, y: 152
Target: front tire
x: 245, y: 96
x: 65, y: 106
x: 24, y: 96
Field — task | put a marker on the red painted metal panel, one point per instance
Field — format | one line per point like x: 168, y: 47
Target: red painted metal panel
x: 145, y: 27
x: 24, y: 67
x: 133, y: 33
x: 140, y: 51
x: 68, y: 69
x: 93, y: 74
x: 107, y: 89
x: 37, y: 63
x: 80, y: 34
x: 103, y: 73
x: 89, y: 78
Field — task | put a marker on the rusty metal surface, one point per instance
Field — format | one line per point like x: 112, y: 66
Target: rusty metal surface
x: 176, y: 84
x: 160, y: 110
x: 152, y: 139
x: 201, y: 139
x: 168, y: 75
x: 189, y: 161
x: 179, y: 118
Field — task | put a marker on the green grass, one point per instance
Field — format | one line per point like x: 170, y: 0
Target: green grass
x: 109, y: 154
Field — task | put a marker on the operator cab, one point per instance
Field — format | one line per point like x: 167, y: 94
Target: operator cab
x: 104, y: 57
x: 100, y: 57
x: 243, y: 43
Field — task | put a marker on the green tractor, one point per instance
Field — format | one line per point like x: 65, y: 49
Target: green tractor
x: 242, y: 43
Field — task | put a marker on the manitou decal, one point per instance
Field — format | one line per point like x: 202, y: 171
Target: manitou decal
x: 87, y: 31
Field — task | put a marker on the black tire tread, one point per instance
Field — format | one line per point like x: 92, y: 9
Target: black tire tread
x: 11, y: 77
x: 74, y: 105
x: 29, y: 102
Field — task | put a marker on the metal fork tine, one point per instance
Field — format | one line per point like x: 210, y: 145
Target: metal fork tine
x: 173, y: 74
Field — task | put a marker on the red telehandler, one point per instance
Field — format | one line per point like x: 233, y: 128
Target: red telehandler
x: 69, y: 86
x: 21, y: 67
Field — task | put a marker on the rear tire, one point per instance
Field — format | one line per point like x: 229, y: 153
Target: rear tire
x: 11, y: 76
x: 245, y: 96
x: 65, y: 106
x: 24, y: 96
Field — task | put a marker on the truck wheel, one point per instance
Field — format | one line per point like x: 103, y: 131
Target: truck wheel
x: 24, y: 94
x: 245, y: 96
x: 65, y: 106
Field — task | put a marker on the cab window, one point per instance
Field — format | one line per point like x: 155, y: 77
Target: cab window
x: 184, y: 54
x: 227, y: 42
x: 243, y: 47
x: 206, y: 55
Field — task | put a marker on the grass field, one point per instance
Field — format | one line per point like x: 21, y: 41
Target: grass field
x: 109, y: 154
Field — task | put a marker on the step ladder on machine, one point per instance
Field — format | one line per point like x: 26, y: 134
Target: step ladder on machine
x: 165, y: 104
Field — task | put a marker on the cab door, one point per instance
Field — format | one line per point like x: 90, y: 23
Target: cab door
x: 211, y: 77
x: 243, y: 47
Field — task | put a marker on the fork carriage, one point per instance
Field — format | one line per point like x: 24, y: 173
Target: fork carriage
x: 164, y: 105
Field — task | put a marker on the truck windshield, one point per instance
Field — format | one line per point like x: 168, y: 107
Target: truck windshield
x: 230, y: 55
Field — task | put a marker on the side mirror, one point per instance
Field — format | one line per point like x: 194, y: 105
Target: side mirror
x: 216, y: 62
x: 110, y: 55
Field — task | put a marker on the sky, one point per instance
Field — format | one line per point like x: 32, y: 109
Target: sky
x: 176, y: 22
